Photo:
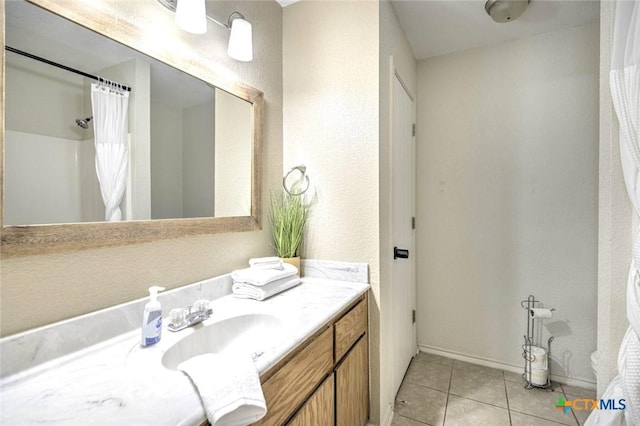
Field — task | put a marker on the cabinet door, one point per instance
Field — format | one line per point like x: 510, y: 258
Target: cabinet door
x: 352, y: 387
x: 319, y: 409
x: 288, y: 388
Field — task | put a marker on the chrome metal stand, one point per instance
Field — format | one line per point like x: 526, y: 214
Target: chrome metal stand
x: 529, y: 304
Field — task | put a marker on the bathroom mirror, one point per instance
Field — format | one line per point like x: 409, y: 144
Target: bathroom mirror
x: 194, y: 136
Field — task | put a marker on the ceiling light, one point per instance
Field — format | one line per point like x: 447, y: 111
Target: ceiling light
x: 503, y: 11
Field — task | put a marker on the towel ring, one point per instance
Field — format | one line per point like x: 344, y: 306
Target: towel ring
x: 303, y: 174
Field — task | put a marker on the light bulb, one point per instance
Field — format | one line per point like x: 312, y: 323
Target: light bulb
x: 191, y: 16
x: 240, y: 42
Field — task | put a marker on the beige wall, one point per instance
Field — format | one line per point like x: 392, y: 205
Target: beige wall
x: 232, y: 155
x: 395, y: 53
x: 507, y: 197
x: 37, y: 290
x: 331, y: 115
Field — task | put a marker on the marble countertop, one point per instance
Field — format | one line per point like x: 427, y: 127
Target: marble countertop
x: 117, y: 381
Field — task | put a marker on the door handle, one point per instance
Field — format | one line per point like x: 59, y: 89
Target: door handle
x: 399, y: 253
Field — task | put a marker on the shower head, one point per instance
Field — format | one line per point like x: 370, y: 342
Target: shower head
x: 503, y: 11
x: 83, y: 122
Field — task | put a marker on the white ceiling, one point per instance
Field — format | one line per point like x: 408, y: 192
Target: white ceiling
x: 436, y: 27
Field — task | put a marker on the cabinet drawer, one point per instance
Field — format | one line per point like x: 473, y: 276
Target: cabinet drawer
x: 286, y: 390
x: 349, y: 328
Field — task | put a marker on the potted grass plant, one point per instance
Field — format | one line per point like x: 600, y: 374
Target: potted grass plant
x: 288, y: 216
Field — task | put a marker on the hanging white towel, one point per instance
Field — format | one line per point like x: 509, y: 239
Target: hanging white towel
x: 262, y: 276
x: 229, y: 387
x: 248, y: 291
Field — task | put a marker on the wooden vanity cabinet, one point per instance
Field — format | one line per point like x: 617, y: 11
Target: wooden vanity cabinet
x: 325, y: 380
x: 341, y: 395
x: 290, y: 386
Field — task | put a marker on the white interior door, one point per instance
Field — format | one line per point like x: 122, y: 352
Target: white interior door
x: 403, y: 278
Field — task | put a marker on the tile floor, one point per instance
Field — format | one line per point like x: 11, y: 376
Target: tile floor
x: 440, y: 391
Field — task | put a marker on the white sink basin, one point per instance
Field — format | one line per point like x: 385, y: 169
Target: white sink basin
x: 253, y: 334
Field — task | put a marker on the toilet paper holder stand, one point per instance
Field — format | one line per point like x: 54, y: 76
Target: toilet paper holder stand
x: 529, y: 304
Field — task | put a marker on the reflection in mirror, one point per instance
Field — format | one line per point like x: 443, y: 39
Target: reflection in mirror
x: 212, y: 179
x: 190, y: 144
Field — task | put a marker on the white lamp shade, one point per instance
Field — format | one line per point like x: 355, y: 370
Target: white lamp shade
x: 191, y: 16
x: 240, y: 41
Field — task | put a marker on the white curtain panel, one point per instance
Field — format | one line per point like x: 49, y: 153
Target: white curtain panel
x: 110, y: 125
x: 625, y: 92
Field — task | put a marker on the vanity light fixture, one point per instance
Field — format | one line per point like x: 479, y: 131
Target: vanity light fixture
x: 191, y: 16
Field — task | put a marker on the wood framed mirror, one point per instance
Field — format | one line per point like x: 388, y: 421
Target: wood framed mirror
x: 40, y: 236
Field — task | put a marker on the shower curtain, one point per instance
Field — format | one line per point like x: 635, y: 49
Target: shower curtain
x: 110, y: 117
x: 624, y: 79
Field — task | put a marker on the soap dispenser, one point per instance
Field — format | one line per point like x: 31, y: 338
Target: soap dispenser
x: 152, y: 320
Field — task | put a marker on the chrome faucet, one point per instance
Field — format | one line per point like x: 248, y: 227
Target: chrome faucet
x: 182, y: 318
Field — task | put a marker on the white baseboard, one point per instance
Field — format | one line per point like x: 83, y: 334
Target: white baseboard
x: 388, y: 416
x: 518, y: 369
x: 386, y: 420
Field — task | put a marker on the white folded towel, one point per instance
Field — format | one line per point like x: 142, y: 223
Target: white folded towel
x: 262, y: 276
x: 271, y: 262
x: 229, y: 387
x: 248, y: 291
x: 263, y: 266
x: 258, y: 261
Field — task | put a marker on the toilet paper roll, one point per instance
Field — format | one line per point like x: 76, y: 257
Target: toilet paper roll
x: 538, y: 358
x: 540, y: 313
x: 538, y: 377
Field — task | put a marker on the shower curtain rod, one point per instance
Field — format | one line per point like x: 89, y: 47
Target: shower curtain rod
x: 64, y: 67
